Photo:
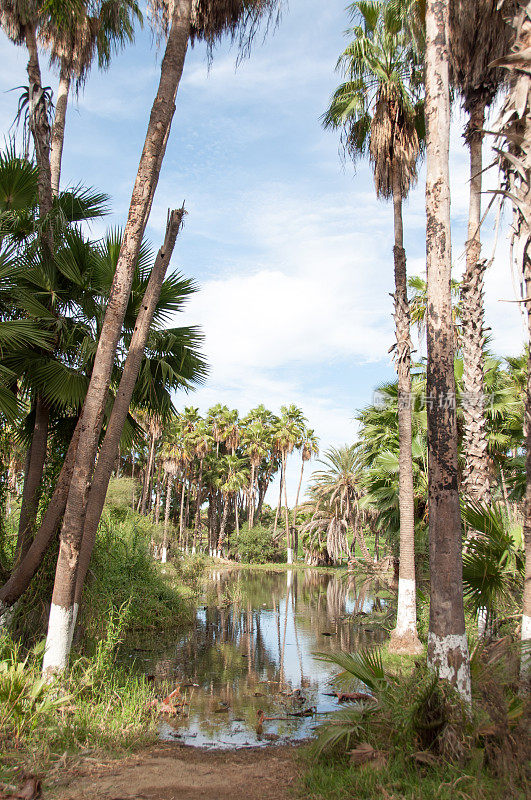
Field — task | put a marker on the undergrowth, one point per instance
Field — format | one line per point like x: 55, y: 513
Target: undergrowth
x: 98, y: 708
x: 414, y: 740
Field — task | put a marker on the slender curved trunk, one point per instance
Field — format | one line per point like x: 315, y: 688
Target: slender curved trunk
x: 289, y: 543
x: 279, y: 502
x: 58, y: 129
x: 34, y: 471
x: 404, y: 638
x: 122, y: 401
x: 221, y: 539
x: 147, y: 476
x: 476, y: 480
x: 251, y: 498
x: 164, y: 556
x: 297, y: 504
x: 158, y: 496
x: 40, y: 128
x: 447, y: 642
x: 21, y: 577
x: 181, y: 514
x: 197, y: 531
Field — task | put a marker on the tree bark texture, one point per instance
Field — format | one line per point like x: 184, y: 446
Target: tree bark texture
x: 33, y: 475
x: 447, y: 643
x: 58, y: 129
x: 476, y: 478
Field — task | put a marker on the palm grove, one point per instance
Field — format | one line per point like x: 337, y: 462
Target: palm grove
x: 89, y: 363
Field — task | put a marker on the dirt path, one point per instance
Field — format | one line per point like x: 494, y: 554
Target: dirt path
x: 174, y: 772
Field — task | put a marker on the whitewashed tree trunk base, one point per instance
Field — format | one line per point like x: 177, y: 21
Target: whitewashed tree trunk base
x: 164, y: 556
x: 404, y: 638
x: 59, y: 639
x: 448, y: 656
x: 290, y: 555
x: 525, y: 663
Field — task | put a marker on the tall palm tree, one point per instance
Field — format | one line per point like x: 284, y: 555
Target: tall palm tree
x: 335, y: 493
x: 479, y: 34
x: 181, y: 21
x: 309, y: 449
x: 287, y: 437
x: 85, y: 31
x: 447, y: 642
x: 380, y: 115
x: 255, y: 448
x: 202, y: 443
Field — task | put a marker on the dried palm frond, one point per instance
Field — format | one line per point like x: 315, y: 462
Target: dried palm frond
x: 394, y: 144
x: 211, y: 19
x: 479, y: 35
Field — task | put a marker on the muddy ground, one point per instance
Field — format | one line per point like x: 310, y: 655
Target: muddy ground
x: 176, y: 772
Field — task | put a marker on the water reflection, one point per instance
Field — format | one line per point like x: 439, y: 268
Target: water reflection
x: 247, y: 667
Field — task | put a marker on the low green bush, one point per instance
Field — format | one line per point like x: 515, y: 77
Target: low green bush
x: 256, y: 546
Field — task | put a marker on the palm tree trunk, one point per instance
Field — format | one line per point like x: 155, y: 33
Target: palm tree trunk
x: 297, y: 498
x: 224, y: 518
x: 404, y: 638
x: 58, y: 129
x: 21, y: 577
x: 447, y: 642
x: 475, y: 482
x: 289, y: 544
x: 158, y: 496
x: 181, y: 515
x: 73, y: 558
x: 164, y: 556
x: 40, y: 129
x: 147, y: 475
x: 122, y: 401
x: 279, y: 506
x: 197, y: 531
x: 251, y: 498
x: 33, y: 479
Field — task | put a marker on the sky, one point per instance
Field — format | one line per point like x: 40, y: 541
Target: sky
x: 290, y: 248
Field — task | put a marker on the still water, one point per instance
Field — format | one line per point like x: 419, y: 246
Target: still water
x: 252, y: 654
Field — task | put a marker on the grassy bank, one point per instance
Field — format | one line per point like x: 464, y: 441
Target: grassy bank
x: 100, y: 708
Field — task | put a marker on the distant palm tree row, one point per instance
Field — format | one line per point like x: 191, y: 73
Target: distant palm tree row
x: 224, y: 461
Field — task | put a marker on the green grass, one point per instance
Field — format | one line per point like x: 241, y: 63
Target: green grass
x: 401, y: 779
x: 97, y: 709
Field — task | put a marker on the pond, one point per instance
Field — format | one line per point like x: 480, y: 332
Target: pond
x: 248, y: 671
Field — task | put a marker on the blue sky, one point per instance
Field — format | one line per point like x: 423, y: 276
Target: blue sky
x: 292, y: 252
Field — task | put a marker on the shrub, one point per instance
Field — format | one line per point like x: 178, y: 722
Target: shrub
x: 256, y: 546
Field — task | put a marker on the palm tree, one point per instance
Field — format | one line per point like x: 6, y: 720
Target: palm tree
x: 209, y: 21
x: 288, y: 436
x: 74, y: 39
x: 255, y: 447
x: 335, y: 494
x: 202, y: 444
x: 309, y: 448
x: 447, y: 642
x: 478, y: 35
x: 378, y: 110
